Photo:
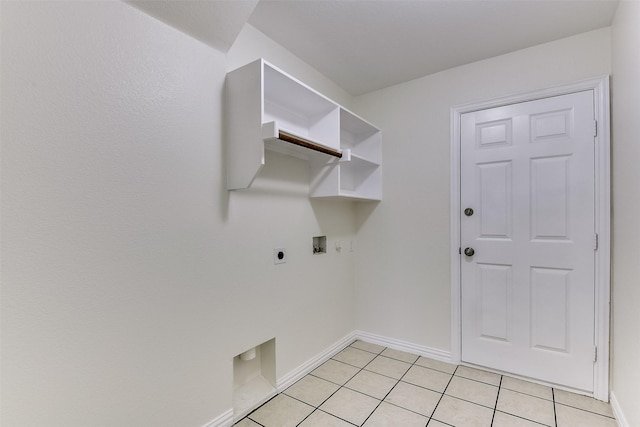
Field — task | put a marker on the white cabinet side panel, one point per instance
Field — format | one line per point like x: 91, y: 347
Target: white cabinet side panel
x: 244, y: 145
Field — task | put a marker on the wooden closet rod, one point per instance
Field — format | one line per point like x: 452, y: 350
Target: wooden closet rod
x: 308, y: 144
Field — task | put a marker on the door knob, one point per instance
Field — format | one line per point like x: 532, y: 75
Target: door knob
x: 469, y: 251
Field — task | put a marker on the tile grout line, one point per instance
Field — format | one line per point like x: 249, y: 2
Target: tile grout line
x: 522, y: 417
x: 380, y: 401
x: 495, y: 408
x: 340, y: 386
x: 442, y: 394
x: 315, y: 408
x: 555, y: 415
x: 577, y: 408
x: 414, y: 363
x: 397, y: 381
x: 255, y: 410
x: 394, y: 386
x: 331, y: 415
x: 528, y: 394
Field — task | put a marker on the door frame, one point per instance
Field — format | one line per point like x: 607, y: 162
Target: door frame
x: 600, y: 87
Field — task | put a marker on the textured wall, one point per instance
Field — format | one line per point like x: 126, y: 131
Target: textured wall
x: 404, y: 255
x: 130, y: 276
x: 625, y: 94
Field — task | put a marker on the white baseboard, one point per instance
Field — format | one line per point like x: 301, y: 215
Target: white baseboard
x: 227, y: 418
x: 311, y: 364
x: 432, y: 353
x: 223, y: 420
x: 617, y: 411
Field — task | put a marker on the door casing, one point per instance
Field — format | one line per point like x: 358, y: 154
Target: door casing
x: 600, y: 87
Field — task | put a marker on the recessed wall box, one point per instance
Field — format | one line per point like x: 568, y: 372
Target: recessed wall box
x: 320, y: 245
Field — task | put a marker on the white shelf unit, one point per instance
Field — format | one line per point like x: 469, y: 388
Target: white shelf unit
x: 358, y: 173
x: 265, y: 106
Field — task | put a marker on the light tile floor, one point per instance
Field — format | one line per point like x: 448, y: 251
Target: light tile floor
x: 372, y: 386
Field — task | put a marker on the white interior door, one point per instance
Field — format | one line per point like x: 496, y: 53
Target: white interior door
x: 528, y: 173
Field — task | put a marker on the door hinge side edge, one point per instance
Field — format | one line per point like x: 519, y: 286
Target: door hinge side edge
x: 595, y: 242
x: 595, y: 354
x: 595, y: 128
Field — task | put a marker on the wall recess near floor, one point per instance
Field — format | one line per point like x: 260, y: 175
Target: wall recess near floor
x: 254, y: 378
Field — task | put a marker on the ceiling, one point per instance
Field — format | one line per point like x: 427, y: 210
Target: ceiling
x: 364, y: 45
x: 214, y: 22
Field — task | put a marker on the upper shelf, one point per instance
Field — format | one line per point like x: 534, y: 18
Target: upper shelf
x: 267, y: 108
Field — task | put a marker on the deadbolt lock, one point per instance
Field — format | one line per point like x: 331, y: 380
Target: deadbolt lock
x: 468, y: 212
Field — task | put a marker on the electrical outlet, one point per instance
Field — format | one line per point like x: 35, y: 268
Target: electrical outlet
x: 279, y: 255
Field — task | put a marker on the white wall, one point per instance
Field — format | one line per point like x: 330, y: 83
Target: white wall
x: 625, y: 91
x: 131, y: 277
x: 402, y: 266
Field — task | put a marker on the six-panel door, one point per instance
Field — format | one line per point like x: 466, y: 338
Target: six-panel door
x: 527, y: 171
